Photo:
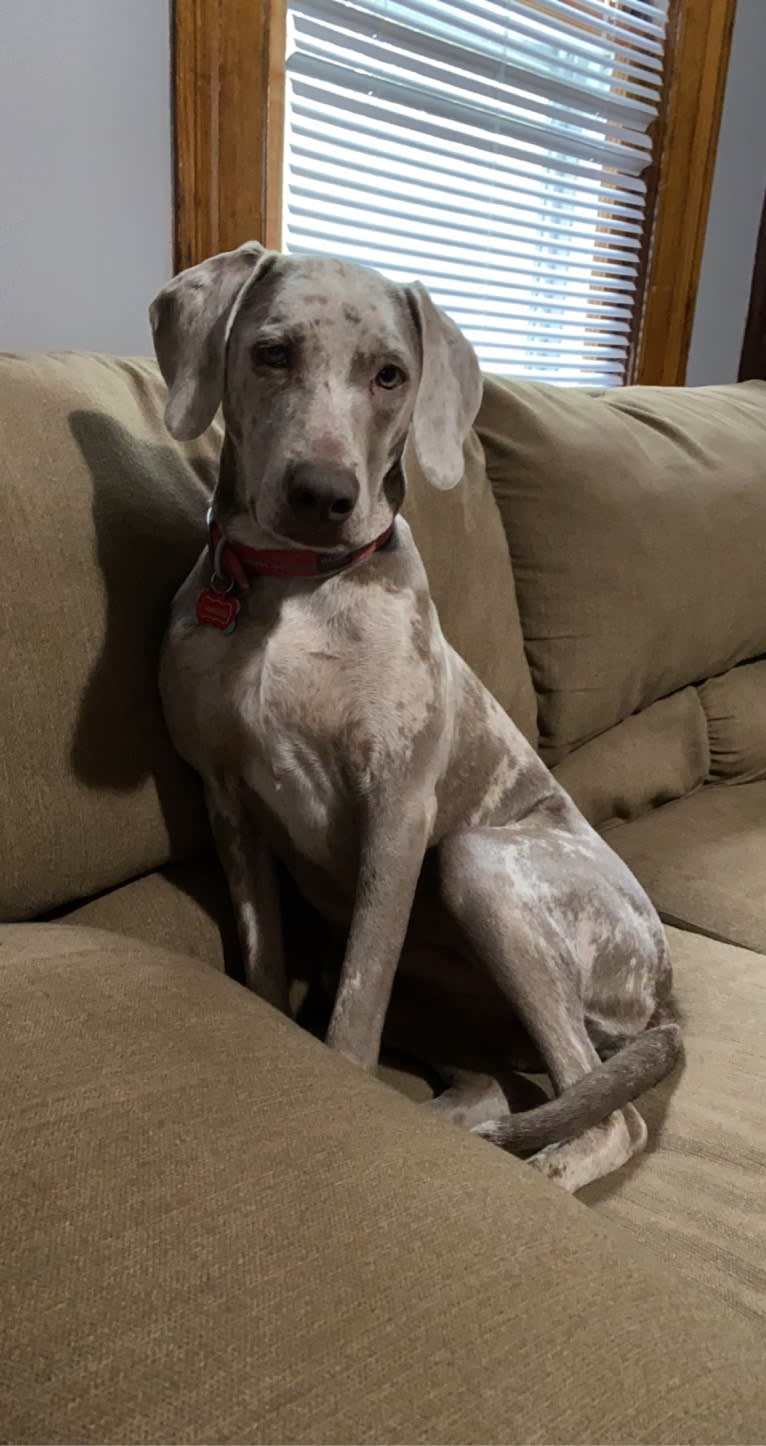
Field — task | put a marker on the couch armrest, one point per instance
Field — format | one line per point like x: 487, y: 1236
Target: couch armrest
x: 214, y: 1230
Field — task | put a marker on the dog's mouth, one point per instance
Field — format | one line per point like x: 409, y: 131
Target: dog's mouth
x: 315, y: 537
x: 287, y: 532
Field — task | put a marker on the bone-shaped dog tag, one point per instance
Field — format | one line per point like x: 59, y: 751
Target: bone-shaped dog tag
x: 217, y: 610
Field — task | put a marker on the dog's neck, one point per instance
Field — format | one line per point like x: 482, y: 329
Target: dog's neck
x: 230, y: 504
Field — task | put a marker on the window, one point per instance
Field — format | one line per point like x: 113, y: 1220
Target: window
x: 542, y: 165
x: 494, y: 150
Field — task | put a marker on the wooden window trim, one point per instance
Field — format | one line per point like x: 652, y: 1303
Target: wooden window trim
x: 228, y: 93
x: 228, y: 63
x: 697, y: 58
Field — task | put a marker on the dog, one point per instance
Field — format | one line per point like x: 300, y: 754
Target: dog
x: 305, y: 676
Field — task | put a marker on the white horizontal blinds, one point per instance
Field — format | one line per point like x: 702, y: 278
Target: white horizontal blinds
x: 494, y: 149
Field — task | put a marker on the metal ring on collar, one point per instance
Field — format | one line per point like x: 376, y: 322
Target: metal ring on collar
x: 219, y: 582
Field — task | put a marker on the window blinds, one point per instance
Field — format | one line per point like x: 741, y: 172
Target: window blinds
x: 496, y: 150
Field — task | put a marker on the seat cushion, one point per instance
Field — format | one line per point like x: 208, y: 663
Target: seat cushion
x: 696, y: 1196
x: 636, y: 519
x: 702, y: 860
x: 184, y: 907
x: 213, y: 1230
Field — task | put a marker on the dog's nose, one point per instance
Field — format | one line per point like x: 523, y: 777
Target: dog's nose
x: 321, y: 492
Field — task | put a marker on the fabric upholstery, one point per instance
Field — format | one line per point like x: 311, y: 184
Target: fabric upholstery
x: 184, y: 907
x: 659, y: 754
x: 636, y: 520
x: 213, y: 1230
x: 460, y: 537
x: 701, y: 859
x: 696, y: 1196
x: 101, y: 516
x: 735, y: 709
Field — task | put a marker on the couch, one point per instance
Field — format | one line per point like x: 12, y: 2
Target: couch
x: 214, y: 1230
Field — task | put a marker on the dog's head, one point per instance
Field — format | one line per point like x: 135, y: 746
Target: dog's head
x: 323, y: 368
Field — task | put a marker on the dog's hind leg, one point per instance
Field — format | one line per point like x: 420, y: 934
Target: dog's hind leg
x: 505, y: 891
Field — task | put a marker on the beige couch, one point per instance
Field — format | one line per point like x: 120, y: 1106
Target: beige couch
x: 214, y: 1230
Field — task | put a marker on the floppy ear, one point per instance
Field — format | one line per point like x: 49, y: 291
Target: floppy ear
x: 189, y: 320
x: 449, y: 394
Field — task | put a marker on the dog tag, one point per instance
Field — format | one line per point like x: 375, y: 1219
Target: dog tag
x: 217, y: 610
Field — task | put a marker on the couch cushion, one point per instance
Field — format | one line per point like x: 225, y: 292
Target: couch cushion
x: 735, y: 710
x: 101, y: 516
x: 184, y: 907
x: 214, y: 1230
x: 696, y: 1197
x: 461, y: 540
x: 703, y: 861
x: 659, y: 754
x: 636, y: 519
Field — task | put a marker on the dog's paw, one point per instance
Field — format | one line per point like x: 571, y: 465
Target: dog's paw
x: 491, y: 1130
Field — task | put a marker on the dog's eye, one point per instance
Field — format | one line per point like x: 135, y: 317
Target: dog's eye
x: 390, y: 376
x: 273, y: 355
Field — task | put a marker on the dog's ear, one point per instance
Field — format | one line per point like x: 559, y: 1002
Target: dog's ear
x: 449, y: 394
x: 189, y: 320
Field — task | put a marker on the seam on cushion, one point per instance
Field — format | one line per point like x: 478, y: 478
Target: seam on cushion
x: 723, y: 779
x: 710, y: 776
x: 615, y: 823
x: 687, y: 927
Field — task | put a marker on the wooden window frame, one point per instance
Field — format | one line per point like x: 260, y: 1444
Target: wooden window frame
x: 228, y: 87
x: 228, y: 108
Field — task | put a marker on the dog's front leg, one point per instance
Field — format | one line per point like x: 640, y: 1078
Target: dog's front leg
x: 249, y: 868
x: 394, y: 839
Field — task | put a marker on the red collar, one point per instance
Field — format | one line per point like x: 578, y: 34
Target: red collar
x: 234, y: 564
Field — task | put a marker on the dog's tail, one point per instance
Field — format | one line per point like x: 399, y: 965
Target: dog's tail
x: 643, y: 1062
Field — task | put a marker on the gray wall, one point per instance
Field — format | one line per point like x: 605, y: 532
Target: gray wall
x: 735, y: 207
x: 85, y: 172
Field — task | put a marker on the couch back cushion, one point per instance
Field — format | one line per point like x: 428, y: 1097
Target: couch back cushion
x: 735, y: 711
x: 636, y: 520
x: 462, y: 543
x: 101, y: 516
x: 648, y: 759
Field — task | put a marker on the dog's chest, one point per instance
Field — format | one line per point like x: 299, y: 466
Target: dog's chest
x: 332, y: 700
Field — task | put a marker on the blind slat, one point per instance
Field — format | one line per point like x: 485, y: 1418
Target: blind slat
x: 420, y: 218
x: 366, y: 112
x: 493, y: 30
x: 551, y: 289
x: 576, y: 151
x: 352, y: 222
x: 628, y: 27
x: 314, y: 136
x: 331, y: 17
x: 494, y: 149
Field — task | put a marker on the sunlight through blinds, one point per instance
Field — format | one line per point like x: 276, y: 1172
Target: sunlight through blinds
x: 494, y: 149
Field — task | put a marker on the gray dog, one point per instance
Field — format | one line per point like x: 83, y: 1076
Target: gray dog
x: 306, y: 678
